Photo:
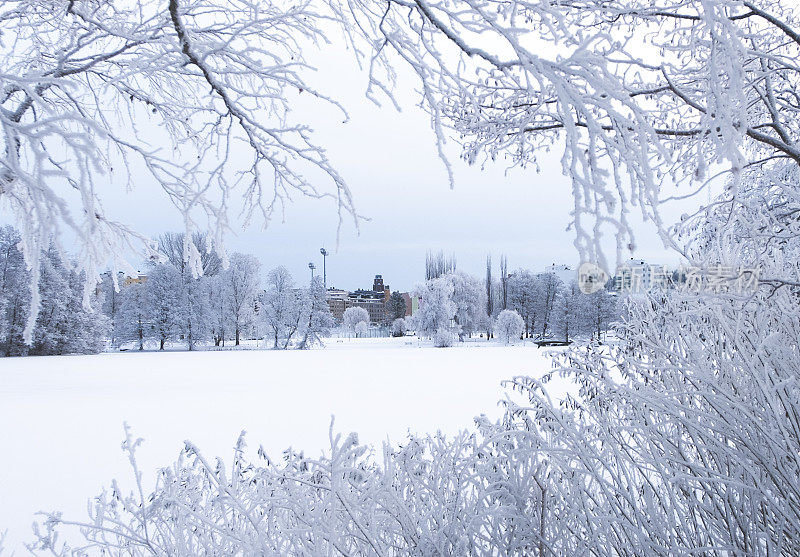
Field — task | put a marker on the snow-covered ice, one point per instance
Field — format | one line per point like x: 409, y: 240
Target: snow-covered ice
x: 61, y: 417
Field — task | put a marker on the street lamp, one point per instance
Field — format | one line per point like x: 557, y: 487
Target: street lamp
x: 324, y: 253
x: 312, y: 267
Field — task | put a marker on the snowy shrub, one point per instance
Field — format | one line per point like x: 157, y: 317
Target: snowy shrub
x: 509, y: 325
x: 444, y: 338
x: 361, y: 328
x: 430, y: 496
x: 398, y: 327
x: 353, y: 316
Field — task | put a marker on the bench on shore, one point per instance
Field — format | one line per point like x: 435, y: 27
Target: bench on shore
x: 540, y: 343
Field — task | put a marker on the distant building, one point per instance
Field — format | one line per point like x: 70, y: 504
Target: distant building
x: 374, y: 301
x: 639, y: 276
x: 126, y: 280
x: 140, y: 278
x: 337, y: 302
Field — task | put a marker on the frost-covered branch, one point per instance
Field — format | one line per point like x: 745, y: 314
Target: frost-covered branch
x: 637, y: 96
x: 195, y: 96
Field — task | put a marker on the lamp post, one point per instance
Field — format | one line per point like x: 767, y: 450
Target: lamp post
x: 312, y: 267
x: 324, y: 253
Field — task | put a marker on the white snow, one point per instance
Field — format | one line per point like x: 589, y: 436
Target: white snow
x: 61, y: 417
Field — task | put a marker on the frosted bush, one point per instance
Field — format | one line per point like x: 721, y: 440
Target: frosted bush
x: 398, y: 327
x: 509, y: 325
x: 444, y: 338
x: 361, y: 328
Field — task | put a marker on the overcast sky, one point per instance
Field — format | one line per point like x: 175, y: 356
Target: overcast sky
x: 389, y: 161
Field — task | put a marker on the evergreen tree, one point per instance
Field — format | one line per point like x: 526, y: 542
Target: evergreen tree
x: 50, y: 336
x: 395, y: 307
x: 14, y: 293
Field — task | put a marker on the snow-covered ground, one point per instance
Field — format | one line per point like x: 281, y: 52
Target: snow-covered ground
x: 61, y: 417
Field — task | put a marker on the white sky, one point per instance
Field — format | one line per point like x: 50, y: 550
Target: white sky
x: 389, y: 161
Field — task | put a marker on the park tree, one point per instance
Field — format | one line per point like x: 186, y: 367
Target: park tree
x: 569, y: 313
x: 399, y: 327
x: 317, y: 317
x: 242, y: 283
x: 490, y: 288
x: 525, y: 297
x: 600, y: 309
x: 280, y: 308
x: 509, y: 325
x: 352, y: 316
x: 163, y: 287
x: 468, y: 296
x: 218, y: 304
x: 132, y: 323
x: 437, y: 310
x: 193, y: 255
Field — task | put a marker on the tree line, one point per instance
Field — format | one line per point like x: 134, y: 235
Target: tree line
x: 197, y: 303
x: 64, y: 323
x: 455, y: 305
x: 225, y: 304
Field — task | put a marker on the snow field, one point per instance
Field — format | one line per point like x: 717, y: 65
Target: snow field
x: 61, y: 417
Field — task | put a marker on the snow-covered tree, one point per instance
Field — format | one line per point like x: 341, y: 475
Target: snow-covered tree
x: 218, y: 304
x: 437, y: 310
x: 399, y: 327
x: 14, y: 293
x: 599, y: 310
x: 110, y: 287
x: 353, y: 316
x: 163, y: 287
x: 509, y: 325
x: 317, y: 317
x: 503, y: 281
x: 470, y: 301
x: 490, y: 288
x: 194, y: 311
x: 281, y: 309
x: 525, y: 297
x: 242, y: 282
x: 192, y: 255
x: 569, y: 314
x: 132, y: 323
x: 549, y: 288
x: 51, y: 335
x: 361, y: 329
x: 438, y: 264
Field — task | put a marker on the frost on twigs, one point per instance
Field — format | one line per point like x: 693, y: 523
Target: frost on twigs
x: 194, y: 96
x: 645, y: 102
